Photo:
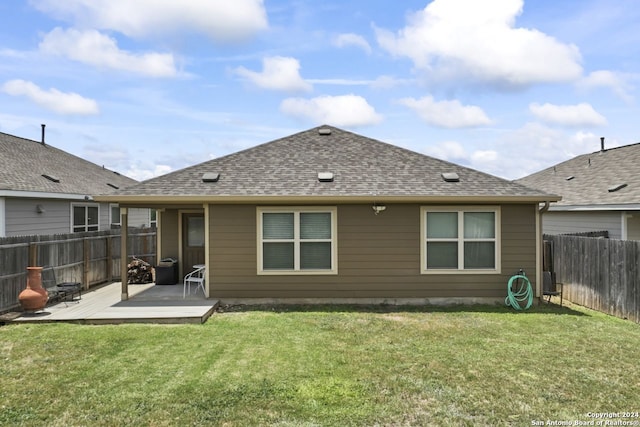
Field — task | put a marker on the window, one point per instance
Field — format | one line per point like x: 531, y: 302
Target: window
x: 460, y: 240
x: 195, y: 231
x: 297, y: 240
x: 85, y: 218
x: 153, y: 218
x: 114, y: 212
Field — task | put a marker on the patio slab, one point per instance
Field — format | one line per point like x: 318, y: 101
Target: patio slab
x: 148, y: 303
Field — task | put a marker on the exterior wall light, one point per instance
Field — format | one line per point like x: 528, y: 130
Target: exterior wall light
x: 378, y: 208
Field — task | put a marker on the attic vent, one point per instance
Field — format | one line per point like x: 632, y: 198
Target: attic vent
x: 324, y: 131
x: 112, y: 185
x: 569, y: 178
x: 210, y: 177
x: 325, y: 176
x: 450, y: 177
x: 616, y: 187
x: 51, y: 177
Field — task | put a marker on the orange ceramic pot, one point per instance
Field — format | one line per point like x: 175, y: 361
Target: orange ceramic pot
x: 34, y: 297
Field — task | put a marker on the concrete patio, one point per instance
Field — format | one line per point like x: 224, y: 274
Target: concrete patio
x: 147, y: 303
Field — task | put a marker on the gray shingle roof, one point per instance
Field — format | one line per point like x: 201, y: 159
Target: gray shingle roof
x: 25, y: 161
x: 593, y: 175
x: 361, y: 166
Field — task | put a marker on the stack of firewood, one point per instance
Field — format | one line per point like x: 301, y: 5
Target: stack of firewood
x: 139, y: 271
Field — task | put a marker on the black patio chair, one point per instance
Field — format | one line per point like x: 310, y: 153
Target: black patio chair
x: 63, y: 291
x: 550, y: 286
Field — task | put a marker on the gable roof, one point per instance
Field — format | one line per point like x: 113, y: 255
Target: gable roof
x: 24, y: 162
x: 288, y: 168
x: 594, y: 175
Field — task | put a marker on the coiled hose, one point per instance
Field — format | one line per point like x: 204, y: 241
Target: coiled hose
x: 523, y: 292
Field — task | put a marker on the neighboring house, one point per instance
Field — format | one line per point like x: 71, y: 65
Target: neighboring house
x: 330, y: 214
x: 44, y: 190
x: 600, y: 192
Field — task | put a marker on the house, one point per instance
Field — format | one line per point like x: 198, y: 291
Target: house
x: 600, y: 192
x: 44, y: 190
x: 329, y: 214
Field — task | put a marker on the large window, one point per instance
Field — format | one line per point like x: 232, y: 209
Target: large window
x: 460, y: 240
x: 297, y: 240
x: 85, y: 217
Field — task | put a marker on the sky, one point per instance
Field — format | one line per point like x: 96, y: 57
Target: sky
x: 146, y: 87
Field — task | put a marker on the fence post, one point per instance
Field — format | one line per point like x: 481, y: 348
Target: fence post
x: 109, y: 258
x: 86, y: 261
x: 33, y: 254
x: 124, y: 236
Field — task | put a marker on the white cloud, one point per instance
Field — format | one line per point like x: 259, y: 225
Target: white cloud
x: 581, y: 114
x: 220, y: 20
x: 446, y: 114
x: 389, y: 82
x: 478, y: 40
x: 345, y: 110
x: 534, y: 147
x: 448, y: 150
x: 617, y: 82
x: 350, y: 39
x: 53, y: 99
x: 341, y: 82
x: 93, y: 48
x: 144, y: 172
x: 278, y: 73
x: 484, y: 156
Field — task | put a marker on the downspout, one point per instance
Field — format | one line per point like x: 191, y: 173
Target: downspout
x: 207, y: 250
x: 539, y: 246
x: 545, y: 207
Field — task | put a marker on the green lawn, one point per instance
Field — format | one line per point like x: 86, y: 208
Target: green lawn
x: 333, y: 366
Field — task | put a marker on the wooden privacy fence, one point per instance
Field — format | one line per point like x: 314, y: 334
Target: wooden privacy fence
x: 89, y: 258
x: 602, y: 274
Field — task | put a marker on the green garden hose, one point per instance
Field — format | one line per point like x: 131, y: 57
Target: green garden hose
x: 524, y: 292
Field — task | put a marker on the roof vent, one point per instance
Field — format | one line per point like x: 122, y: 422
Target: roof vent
x: 450, y: 177
x: 51, y: 177
x: 616, y: 187
x: 210, y: 177
x: 325, y: 176
x: 112, y: 185
x: 570, y: 177
x: 324, y: 131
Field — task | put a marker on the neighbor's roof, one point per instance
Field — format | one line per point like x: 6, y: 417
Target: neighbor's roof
x: 609, y: 178
x: 362, y: 168
x: 25, y: 162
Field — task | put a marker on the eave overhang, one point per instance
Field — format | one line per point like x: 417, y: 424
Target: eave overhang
x: 44, y: 195
x: 131, y: 200
x: 592, y: 208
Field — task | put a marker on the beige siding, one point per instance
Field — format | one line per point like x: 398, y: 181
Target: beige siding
x: 169, y: 243
x: 378, y: 257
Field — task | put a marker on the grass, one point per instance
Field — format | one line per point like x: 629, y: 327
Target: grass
x: 308, y: 366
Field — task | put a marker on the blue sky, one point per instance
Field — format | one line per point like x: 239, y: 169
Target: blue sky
x: 507, y: 87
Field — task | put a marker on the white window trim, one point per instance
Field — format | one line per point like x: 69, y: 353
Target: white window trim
x: 460, y: 239
x: 298, y: 209
x: 113, y: 222
x: 153, y: 224
x: 92, y: 205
